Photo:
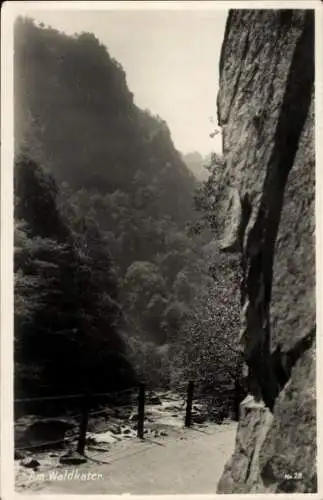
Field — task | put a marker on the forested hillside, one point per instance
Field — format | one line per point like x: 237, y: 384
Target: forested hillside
x: 108, y: 279
x: 103, y: 141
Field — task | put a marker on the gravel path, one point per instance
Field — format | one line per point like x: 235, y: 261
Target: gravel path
x: 186, y: 461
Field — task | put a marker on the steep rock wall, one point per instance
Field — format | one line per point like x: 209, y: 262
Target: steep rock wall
x: 266, y: 200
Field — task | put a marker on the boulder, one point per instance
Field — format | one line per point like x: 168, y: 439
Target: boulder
x: 20, y: 426
x: 159, y: 433
x: 122, y: 413
x: 154, y: 400
x: 173, y: 408
x: 99, y: 424
x: 19, y: 455
x: 49, y: 431
x: 198, y: 419
x: 90, y: 441
x: 115, y: 429
x: 265, y: 211
x: 30, y: 463
x: 105, y: 437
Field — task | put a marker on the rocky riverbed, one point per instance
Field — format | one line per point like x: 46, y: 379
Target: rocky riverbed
x: 108, y: 427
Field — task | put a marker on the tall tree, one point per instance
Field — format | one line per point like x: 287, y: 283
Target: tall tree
x: 65, y: 293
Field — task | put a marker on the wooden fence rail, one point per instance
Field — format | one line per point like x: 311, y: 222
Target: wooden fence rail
x: 88, y: 400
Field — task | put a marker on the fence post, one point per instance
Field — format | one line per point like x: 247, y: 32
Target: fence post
x: 83, y: 425
x: 189, y: 401
x: 141, y: 411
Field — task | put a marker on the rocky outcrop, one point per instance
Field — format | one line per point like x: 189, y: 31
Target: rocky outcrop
x: 33, y: 433
x: 266, y: 111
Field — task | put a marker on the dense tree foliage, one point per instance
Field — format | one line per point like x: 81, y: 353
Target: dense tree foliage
x: 207, y: 346
x: 111, y: 283
x: 66, y: 308
x: 75, y: 97
x: 116, y: 190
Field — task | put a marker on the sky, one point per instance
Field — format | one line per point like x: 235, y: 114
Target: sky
x: 171, y: 60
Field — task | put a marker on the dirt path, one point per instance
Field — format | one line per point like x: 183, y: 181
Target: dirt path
x: 186, y: 461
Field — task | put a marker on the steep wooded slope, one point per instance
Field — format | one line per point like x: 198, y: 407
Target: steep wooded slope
x: 73, y: 107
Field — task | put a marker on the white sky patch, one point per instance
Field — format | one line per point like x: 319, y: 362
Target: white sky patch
x: 171, y: 59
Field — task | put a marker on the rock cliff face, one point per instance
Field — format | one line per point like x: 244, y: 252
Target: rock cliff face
x: 266, y: 111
